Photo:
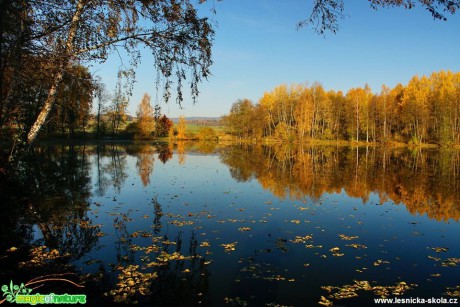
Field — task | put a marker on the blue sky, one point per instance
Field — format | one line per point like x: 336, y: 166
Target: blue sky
x: 257, y: 47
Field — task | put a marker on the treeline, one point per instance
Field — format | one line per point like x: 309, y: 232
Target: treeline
x: 426, y: 110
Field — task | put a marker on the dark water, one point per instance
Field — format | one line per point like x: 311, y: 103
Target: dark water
x: 197, y: 224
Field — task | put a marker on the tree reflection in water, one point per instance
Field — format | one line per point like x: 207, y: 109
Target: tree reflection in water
x: 48, y: 203
x: 46, y: 212
x: 426, y: 181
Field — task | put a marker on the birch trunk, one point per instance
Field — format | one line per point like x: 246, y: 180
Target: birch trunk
x: 66, y: 59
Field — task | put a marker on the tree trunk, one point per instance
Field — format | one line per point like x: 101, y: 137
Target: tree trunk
x: 46, y: 109
x: 66, y: 56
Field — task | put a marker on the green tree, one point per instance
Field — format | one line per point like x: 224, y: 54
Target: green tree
x: 240, y: 119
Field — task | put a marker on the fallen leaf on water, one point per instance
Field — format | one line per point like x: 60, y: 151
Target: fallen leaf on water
x: 347, y: 238
x: 229, y: 247
x: 440, y: 249
x: 244, y: 228
x: 325, y: 302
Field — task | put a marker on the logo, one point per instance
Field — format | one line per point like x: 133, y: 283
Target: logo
x: 22, y: 295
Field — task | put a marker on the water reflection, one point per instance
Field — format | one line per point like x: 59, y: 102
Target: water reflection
x: 425, y: 181
x: 111, y: 205
x: 46, y: 205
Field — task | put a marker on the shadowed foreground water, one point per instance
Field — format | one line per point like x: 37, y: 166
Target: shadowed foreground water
x: 196, y: 224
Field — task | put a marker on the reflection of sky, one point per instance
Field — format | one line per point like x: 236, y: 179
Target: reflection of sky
x: 203, y: 186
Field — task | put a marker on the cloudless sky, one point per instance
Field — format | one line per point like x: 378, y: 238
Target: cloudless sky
x: 257, y: 47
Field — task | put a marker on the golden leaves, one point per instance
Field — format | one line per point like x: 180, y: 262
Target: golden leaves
x: 347, y: 238
x: 455, y: 292
x: 348, y: 291
x: 336, y: 252
x: 380, y: 262
x: 131, y: 282
x: 244, y: 228
x: 440, y: 249
x: 356, y: 246
x: 41, y: 255
x: 301, y: 239
x: 229, y: 246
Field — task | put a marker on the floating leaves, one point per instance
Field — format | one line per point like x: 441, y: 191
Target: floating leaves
x: 41, y: 255
x: 440, y: 249
x: 237, y: 301
x: 453, y: 291
x: 450, y: 262
x: 244, y: 228
x: 325, y: 302
x: 165, y: 257
x: 131, y: 282
x: 229, y: 246
x: 336, y: 252
x: 300, y: 239
x: 263, y: 271
x: 205, y: 244
x: 348, y: 291
x: 313, y: 246
x: 356, y: 246
x: 181, y: 223
x: 143, y: 234
x: 380, y: 262
x: 347, y: 238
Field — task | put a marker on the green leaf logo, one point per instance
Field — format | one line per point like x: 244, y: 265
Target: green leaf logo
x: 13, y: 290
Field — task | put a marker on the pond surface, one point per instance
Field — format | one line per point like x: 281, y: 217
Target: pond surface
x: 196, y: 224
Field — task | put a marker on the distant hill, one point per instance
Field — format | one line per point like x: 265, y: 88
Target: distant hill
x: 197, y: 120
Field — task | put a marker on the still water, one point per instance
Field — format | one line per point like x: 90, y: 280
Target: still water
x: 198, y: 224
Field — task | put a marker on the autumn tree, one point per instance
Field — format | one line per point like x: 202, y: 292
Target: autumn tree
x: 74, y: 100
x: 267, y: 102
x: 207, y: 134
x: 82, y: 31
x: 145, y: 117
x: 163, y: 126
x: 303, y: 113
x: 338, y: 122
x: 102, y: 97
x: 415, y: 109
x: 117, y: 108
x: 240, y: 119
x: 355, y: 98
x: 444, y: 104
x: 181, y: 128
x: 382, y: 105
x: 91, y: 30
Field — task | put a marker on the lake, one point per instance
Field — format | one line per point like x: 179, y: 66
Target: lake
x: 200, y: 224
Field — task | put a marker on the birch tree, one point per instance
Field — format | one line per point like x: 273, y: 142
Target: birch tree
x: 90, y: 30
